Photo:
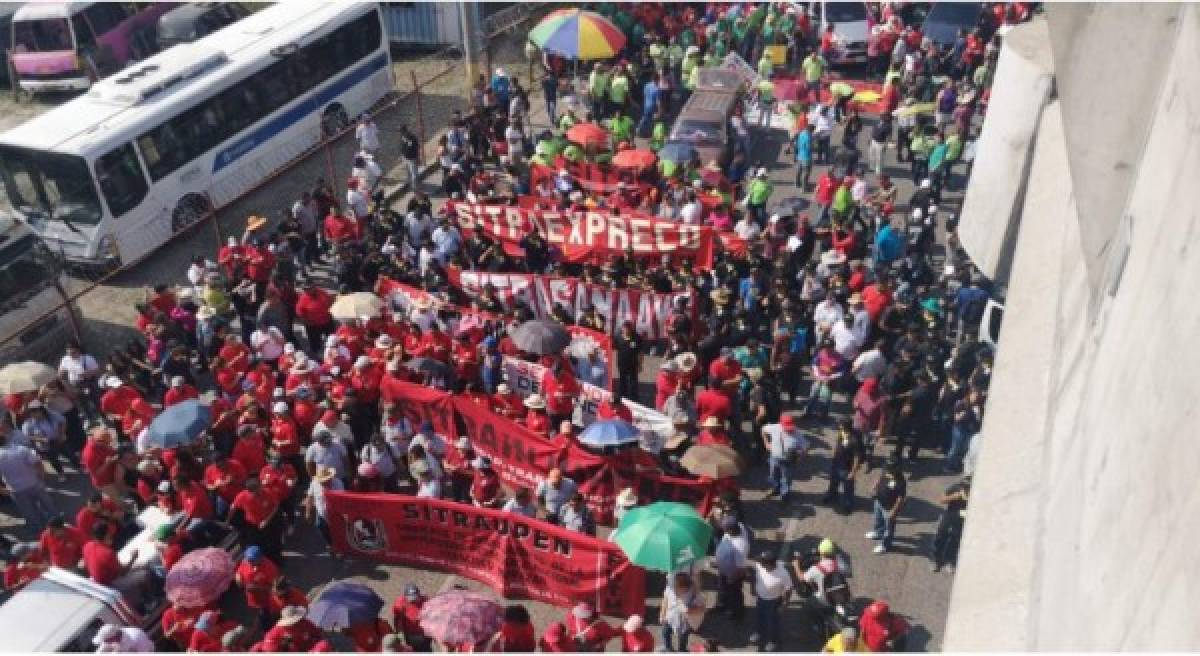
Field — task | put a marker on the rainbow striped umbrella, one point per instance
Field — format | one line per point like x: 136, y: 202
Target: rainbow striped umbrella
x: 578, y: 34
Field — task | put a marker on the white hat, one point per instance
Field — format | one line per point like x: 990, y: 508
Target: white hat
x: 362, y: 362
x: 177, y: 381
x: 289, y: 348
x: 761, y: 172
x: 383, y: 341
x: 926, y: 183
x: 332, y: 340
x: 463, y: 443
x: 278, y: 393
x: 279, y: 408
x: 775, y: 218
x: 535, y: 402
x: 393, y: 365
x: 111, y: 382
x: 503, y: 388
x: 917, y: 213
x: 232, y: 242
x: 669, y: 365
x: 633, y: 623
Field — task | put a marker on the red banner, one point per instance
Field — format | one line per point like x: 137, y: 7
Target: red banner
x: 522, y: 458
x: 515, y: 555
x: 650, y: 312
x: 588, y: 236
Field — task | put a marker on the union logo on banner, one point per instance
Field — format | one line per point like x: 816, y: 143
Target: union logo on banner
x: 366, y: 535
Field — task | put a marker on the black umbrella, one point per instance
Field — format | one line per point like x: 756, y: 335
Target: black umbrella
x: 541, y: 336
x: 434, y: 368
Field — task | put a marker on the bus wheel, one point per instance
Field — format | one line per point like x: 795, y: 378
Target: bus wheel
x: 334, y: 120
x: 190, y: 209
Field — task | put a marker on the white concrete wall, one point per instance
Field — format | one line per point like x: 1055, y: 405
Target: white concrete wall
x: 992, y: 206
x: 1083, y: 522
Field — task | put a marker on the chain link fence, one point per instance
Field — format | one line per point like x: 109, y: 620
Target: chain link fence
x: 97, y: 305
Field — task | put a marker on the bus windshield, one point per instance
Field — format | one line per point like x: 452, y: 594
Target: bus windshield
x: 26, y: 267
x: 44, y: 35
x: 49, y: 186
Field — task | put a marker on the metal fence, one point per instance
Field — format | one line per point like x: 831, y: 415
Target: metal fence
x: 426, y: 92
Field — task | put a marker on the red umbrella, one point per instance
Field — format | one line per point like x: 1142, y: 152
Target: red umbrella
x: 461, y: 617
x: 634, y: 159
x: 588, y: 134
x: 200, y: 577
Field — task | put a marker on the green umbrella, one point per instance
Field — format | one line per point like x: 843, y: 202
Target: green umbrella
x: 664, y: 536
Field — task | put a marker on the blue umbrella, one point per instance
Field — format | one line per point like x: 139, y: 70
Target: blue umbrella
x: 179, y: 424
x: 609, y: 432
x: 343, y: 604
x: 677, y: 151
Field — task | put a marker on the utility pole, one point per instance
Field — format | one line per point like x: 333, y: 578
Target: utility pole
x: 468, y: 15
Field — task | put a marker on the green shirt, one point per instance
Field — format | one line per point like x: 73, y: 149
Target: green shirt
x: 675, y: 53
x: 689, y: 62
x: 842, y: 200
x: 598, y: 84
x: 658, y: 54
x: 982, y: 76
x: 687, y: 38
x: 739, y: 32
x: 759, y: 191
x: 566, y: 122
x: 618, y: 89
x: 693, y: 79
x: 573, y: 153
x: 766, y: 91
x: 710, y: 59
x: 621, y: 127
x: 658, y: 136
x: 757, y: 17
x: 814, y: 67
x: 954, y: 147
x: 920, y: 146
x: 668, y: 168
x: 765, y: 66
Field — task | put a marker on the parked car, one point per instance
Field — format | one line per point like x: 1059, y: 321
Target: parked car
x: 851, y: 23
x: 945, y: 19
x: 196, y: 20
x: 61, y: 611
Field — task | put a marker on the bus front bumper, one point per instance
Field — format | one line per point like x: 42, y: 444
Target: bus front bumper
x: 82, y: 83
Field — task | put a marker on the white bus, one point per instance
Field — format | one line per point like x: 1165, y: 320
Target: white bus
x: 108, y: 177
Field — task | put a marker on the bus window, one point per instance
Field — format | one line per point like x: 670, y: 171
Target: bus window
x: 45, y: 35
x: 121, y: 180
x: 105, y: 16
x: 52, y: 184
x: 84, y: 39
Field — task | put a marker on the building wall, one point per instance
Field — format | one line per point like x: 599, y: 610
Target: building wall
x: 1082, y: 519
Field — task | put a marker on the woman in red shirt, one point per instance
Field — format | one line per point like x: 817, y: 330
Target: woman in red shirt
x: 516, y: 634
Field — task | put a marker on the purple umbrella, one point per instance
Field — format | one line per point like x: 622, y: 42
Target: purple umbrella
x: 461, y: 617
x: 200, y: 577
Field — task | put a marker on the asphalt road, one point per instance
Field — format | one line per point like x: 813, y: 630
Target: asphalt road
x: 902, y: 577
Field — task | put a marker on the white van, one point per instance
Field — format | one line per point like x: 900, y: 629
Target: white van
x: 851, y: 23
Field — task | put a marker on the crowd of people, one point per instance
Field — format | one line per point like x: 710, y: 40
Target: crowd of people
x: 863, y: 295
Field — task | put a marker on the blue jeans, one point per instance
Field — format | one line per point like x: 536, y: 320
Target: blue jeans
x: 885, y: 528
x: 780, y: 475
x: 645, y: 123
x: 959, y: 438
x: 552, y: 110
x: 766, y: 615
x: 839, y: 478
x: 668, y: 633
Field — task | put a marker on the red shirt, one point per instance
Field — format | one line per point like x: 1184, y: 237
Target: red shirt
x: 101, y: 562
x: 875, y: 301
x: 595, y: 631
x: 538, y: 422
x: 435, y: 345
x: 664, y: 386
x: 610, y: 410
x: 256, y: 579
x: 285, y: 437
x: 95, y: 458
x: 179, y: 394
x: 485, y: 487
x: 64, y: 551
x: 366, y: 383
x: 259, y: 263
x: 278, y: 481
x: 407, y: 616
x: 713, y: 403
x: 561, y: 391
x: 368, y: 636
x: 257, y: 507
x: 713, y: 437
x: 116, y: 402
x: 298, y: 637
x: 312, y: 308
x: 293, y: 596
x: 86, y: 518
x: 185, y: 619
x: 517, y: 637
x: 640, y: 641
x: 194, y: 499
x: 236, y: 356
x: 251, y: 452
x: 236, y: 474
x: 508, y: 405
x: 341, y: 228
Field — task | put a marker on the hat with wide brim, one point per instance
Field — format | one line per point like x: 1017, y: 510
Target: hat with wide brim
x: 687, y: 361
x: 535, y: 402
x: 325, y: 474
x: 833, y: 258
x: 675, y: 441
x: 255, y: 222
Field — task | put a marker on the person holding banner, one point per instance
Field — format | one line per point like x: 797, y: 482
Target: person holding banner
x: 588, y: 631
x: 536, y: 418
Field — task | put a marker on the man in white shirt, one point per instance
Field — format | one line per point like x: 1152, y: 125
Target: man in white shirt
x: 772, y: 589
x: 746, y: 228
x: 870, y: 363
x: 418, y: 226
x: 692, y: 212
x: 732, y: 555
x: 367, y: 171
x: 80, y: 370
x: 112, y: 639
x: 356, y: 199
x: 827, y: 314
x: 845, y: 342
x: 367, y: 134
x: 785, y: 445
x: 326, y: 452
